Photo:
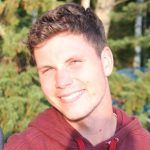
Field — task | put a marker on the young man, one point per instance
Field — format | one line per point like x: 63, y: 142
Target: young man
x: 73, y: 62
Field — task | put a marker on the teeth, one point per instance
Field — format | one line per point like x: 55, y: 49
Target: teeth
x: 71, y: 96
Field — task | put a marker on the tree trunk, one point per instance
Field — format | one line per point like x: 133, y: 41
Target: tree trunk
x: 103, y: 10
x: 34, y: 15
x: 85, y: 3
x: 69, y: 1
x: 138, y: 32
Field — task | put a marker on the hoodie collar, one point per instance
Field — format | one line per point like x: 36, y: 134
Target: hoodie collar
x: 112, y: 144
x: 46, y: 120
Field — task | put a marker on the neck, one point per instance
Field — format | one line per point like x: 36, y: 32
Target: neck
x: 97, y: 130
x: 100, y: 125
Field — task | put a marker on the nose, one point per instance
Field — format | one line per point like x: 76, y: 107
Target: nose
x: 63, y: 78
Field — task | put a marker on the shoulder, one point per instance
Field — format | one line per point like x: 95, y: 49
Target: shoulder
x: 32, y: 139
x: 32, y: 136
x: 140, y: 134
x: 139, y: 139
x: 131, y: 134
x: 46, y: 132
x: 24, y: 140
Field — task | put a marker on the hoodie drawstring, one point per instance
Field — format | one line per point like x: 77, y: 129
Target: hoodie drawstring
x: 80, y: 144
x: 113, y: 143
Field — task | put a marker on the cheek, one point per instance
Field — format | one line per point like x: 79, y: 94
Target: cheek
x: 94, y: 82
x: 47, y: 85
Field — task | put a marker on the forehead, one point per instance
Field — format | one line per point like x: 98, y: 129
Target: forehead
x: 65, y: 42
x: 69, y: 36
x: 62, y: 47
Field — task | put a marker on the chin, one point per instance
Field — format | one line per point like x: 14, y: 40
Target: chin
x: 76, y: 117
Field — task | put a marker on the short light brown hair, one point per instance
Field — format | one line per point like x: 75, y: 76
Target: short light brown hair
x: 71, y: 18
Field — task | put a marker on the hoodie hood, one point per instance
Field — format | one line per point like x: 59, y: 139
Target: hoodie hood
x: 53, y: 125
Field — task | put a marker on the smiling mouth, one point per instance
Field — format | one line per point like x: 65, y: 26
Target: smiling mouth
x: 69, y: 98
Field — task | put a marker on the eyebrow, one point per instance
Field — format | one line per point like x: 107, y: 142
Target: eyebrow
x: 74, y: 57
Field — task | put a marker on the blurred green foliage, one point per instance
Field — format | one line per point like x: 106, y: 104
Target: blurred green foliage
x: 121, y: 36
x: 132, y: 95
x: 20, y: 96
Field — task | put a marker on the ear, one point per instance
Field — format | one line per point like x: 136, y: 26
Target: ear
x: 107, y: 60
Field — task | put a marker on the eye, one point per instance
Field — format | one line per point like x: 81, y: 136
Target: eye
x: 47, y: 69
x: 76, y: 61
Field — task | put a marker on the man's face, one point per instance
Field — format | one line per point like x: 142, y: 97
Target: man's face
x: 71, y: 75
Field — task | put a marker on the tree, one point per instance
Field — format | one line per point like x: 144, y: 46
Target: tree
x: 85, y: 3
x: 138, y: 33
x: 122, y: 37
x: 132, y: 95
x: 20, y: 95
x: 103, y: 9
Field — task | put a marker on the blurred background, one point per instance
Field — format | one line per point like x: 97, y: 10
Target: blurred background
x: 127, y: 26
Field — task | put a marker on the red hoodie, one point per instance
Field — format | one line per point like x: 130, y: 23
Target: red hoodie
x: 50, y: 131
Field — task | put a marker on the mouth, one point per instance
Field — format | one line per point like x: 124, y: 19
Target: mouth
x: 71, y: 97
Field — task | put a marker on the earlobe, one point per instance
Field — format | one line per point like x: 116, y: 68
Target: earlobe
x: 107, y: 60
